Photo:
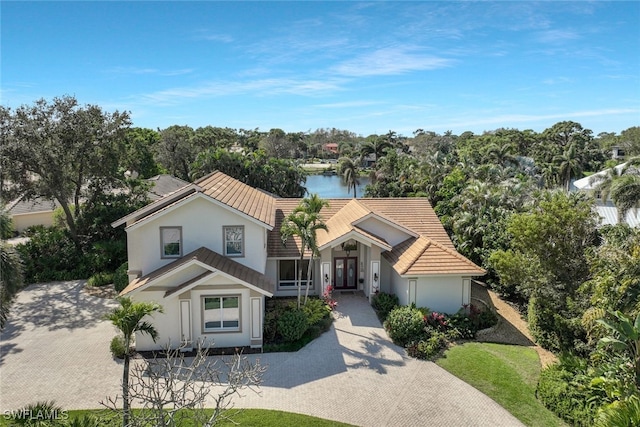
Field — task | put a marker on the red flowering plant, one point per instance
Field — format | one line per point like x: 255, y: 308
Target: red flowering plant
x: 437, y: 321
x: 328, y: 298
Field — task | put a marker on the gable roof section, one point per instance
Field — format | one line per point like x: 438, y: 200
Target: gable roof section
x: 213, y: 262
x: 22, y: 205
x: 236, y: 194
x: 421, y: 256
x: 413, y: 215
x: 254, y: 203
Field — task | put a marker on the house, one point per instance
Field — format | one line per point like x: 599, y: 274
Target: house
x: 606, y: 209
x: 26, y: 213
x: 211, y: 252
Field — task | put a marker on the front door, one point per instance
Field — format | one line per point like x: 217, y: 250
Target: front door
x: 345, y: 272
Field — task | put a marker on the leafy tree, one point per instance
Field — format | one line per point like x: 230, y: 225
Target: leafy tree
x: 6, y: 225
x: 140, y: 144
x: 128, y: 318
x: 303, y: 223
x: 63, y: 151
x: 10, y: 279
x: 552, y: 241
x: 176, y: 150
x: 278, y: 176
x: 349, y: 172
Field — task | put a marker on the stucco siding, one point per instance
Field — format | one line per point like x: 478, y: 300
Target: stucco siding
x: 201, y: 222
x: 23, y: 221
x: 390, y: 234
x: 440, y: 293
x: 167, y: 323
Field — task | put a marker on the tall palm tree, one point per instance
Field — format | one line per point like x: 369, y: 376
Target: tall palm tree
x: 128, y: 319
x: 376, y: 146
x: 10, y: 279
x: 304, y: 222
x: 569, y: 165
x: 348, y: 169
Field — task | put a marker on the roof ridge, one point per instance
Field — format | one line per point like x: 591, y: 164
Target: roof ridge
x: 420, y: 253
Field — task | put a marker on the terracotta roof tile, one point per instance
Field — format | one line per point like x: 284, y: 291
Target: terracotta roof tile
x: 253, y: 202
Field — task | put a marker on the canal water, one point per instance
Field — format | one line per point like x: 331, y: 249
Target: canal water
x: 332, y: 187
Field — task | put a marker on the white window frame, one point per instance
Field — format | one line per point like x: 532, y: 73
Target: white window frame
x: 163, y: 253
x: 222, y: 328
x: 292, y: 284
x: 225, y: 241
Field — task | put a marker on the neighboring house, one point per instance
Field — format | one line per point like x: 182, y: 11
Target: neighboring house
x: 25, y: 213
x: 605, y: 208
x: 211, y: 252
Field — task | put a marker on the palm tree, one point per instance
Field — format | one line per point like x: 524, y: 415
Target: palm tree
x: 128, y: 319
x: 304, y: 222
x: 569, y: 165
x: 375, y: 145
x: 349, y: 171
x: 10, y: 279
x: 625, y: 193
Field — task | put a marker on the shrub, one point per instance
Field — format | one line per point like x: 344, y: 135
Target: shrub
x: 100, y: 279
x: 50, y: 254
x: 404, y: 324
x: 121, y: 278
x: 383, y: 304
x: 292, y: 324
x: 108, y: 255
x: 558, y: 391
x: 118, y: 347
x: 315, y: 309
x: 428, y: 348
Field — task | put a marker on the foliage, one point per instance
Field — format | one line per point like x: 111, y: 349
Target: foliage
x: 348, y: 170
x: 621, y: 413
x: 551, y: 242
x: 100, y: 279
x: 428, y: 348
x: 121, y: 278
x: 118, y: 347
x: 74, y: 151
x: 6, y: 225
x: 292, y: 324
x: 316, y: 310
x: 276, y: 175
x: 11, y: 279
x: 383, y: 304
x: 624, y: 338
x: 404, y: 324
x: 560, y: 390
x: 50, y: 254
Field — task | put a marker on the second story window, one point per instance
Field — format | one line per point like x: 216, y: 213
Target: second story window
x: 233, y: 240
x: 171, y: 242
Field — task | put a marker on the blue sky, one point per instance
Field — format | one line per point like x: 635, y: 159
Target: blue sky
x: 365, y: 67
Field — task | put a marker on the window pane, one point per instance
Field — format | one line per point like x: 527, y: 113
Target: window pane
x: 230, y: 302
x: 287, y: 270
x: 171, y: 241
x: 233, y: 238
x: 211, y: 303
x: 305, y: 269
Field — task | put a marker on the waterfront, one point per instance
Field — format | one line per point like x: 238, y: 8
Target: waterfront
x: 332, y: 187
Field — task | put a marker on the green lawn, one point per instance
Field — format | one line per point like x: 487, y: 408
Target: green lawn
x: 506, y: 373
x: 243, y: 417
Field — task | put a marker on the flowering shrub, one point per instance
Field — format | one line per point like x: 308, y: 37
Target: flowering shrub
x: 437, y: 321
x: 328, y: 298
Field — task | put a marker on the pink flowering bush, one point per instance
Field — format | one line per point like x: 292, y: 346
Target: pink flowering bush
x: 328, y: 298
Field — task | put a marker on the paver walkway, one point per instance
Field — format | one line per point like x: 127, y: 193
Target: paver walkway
x: 56, y: 347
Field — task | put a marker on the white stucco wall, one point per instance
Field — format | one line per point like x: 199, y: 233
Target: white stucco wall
x: 444, y: 294
x: 391, y: 234
x: 201, y: 222
x: 168, y: 323
x: 23, y: 221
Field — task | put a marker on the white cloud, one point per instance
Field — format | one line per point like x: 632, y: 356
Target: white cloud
x: 390, y: 61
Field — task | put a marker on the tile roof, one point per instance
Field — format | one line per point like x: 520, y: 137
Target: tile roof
x: 422, y: 256
x: 22, y: 205
x: 161, y: 185
x: 253, y: 202
x: 212, y: 259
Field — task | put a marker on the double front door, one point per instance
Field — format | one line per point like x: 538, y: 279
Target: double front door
x: 345, y: 272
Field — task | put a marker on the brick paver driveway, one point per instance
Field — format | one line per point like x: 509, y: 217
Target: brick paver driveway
x: 57, y: 347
